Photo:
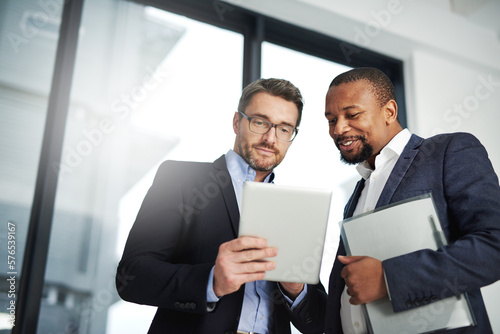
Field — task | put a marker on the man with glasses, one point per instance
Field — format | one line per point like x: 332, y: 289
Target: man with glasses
x: 183, y: 254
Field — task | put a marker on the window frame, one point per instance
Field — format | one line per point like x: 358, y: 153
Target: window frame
x: 257, y: 28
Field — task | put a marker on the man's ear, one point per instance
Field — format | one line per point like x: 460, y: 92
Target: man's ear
x: 391, y: 112
x: 236, y: 123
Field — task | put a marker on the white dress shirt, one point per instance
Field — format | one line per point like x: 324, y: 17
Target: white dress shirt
x: 353, y: 319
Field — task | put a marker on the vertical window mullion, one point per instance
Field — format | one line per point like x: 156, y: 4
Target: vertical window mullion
x: 253, y: 51
x: 37, y: 243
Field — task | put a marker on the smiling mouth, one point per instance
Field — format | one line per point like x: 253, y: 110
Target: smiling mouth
x: 346, y: 145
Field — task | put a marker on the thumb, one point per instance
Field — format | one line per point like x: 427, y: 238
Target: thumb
x: 349, y: 259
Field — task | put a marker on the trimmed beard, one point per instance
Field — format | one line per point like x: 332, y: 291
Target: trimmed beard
x: 246, y: 155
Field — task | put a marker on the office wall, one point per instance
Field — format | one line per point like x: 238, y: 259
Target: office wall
x: 452, y: 67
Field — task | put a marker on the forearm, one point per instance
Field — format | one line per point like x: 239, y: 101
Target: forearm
x: 425, y: 276
x: 309, y: 316
x: 147, y: 280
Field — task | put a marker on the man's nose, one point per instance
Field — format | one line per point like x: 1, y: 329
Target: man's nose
x: 270, y: 136
x: 341, y: 127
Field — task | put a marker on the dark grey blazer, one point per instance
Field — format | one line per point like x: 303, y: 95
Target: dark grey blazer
x: 455, y: 168
x: 189, y: 211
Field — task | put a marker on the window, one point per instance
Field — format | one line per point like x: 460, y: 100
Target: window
x: 26, y: 29
x: 166, y: 90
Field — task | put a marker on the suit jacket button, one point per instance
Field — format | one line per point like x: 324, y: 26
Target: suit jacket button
x: 192, y: 306
x: 409, y: 303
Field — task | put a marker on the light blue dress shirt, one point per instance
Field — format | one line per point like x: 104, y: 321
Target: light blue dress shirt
x: 257, y: 302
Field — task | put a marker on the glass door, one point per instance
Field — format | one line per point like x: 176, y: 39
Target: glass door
x: 148, y: 86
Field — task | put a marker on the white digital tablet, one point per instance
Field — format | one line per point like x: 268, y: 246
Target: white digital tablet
x: 292, y: 219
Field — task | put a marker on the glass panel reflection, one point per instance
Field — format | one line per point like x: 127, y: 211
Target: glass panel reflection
x: 27, y: 28
x: 147, y: 84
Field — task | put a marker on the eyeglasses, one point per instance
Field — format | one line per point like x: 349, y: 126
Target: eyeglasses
x: 262, y: 126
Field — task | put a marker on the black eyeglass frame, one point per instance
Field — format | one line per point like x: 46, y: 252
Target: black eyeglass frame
x: 249, y: 119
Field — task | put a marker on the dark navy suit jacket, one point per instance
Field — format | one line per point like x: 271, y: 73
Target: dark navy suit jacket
x: 189, y: 211
x: 455, y: 168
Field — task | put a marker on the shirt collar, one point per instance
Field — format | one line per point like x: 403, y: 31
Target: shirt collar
x: 393, y: 149
x: 239, y: 169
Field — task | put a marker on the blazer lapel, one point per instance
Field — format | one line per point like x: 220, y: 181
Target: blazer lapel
x: 223, y: 179
x: 400, y: 169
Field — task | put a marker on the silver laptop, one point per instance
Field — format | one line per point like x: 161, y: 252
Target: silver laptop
x: 293, y: 219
